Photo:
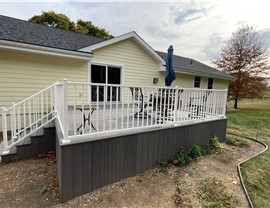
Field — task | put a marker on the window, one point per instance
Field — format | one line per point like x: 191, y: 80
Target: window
x: 197, y: 81
x: 210, y: 83
x: 105, y: 74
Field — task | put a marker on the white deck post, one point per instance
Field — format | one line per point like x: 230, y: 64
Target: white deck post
x: 4, y: 126
x: 65, y: 111
x: 225, y: 102
x: 176, y: 104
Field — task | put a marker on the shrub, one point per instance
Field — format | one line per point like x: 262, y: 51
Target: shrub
x: 215, y: 143
x: 185, y: 156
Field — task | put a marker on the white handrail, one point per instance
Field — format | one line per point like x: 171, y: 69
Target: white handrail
x: 27, y: 116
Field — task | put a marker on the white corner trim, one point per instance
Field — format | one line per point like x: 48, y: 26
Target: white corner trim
x: 133, y: 35
x: 24, y: 47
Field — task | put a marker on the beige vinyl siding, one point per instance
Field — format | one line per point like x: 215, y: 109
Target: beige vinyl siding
x: 139, y: 67
x: 23, y: 74
x: 220, y: 84
x: 183, y: 80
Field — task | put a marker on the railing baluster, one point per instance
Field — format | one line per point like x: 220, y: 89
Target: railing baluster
x: 97, y: 114
x: 128, y: 104
x: 116, y: 106
x: 133, y: 107
x: 111, y: 88
x: 83, y: 113
x: 122, y: 106
x: 74, y: 109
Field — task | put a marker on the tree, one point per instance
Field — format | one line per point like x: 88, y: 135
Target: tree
x: 53, y: 19
x: 245, y: 57
x: 87, y: 27
x: 61, y: 21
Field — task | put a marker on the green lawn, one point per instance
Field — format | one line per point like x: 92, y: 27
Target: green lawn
x: 253, y: 119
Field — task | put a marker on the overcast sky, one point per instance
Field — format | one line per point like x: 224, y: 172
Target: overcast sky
x: 196, y: 29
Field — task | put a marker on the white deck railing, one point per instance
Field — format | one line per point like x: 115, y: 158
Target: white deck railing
x: 26, y: 117
x: 86, y: 110
x: 105, y: 109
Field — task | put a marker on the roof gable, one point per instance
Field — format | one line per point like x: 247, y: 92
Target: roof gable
x: 32, y: 33
x: 120, y: 38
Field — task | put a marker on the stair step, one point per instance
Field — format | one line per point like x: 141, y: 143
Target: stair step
x: 8, y: 158
x: 36, y: 145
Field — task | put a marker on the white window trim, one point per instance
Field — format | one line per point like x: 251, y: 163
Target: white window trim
x: 106, y: 64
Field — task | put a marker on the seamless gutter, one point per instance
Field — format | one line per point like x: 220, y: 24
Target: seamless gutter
x: 37, y: 49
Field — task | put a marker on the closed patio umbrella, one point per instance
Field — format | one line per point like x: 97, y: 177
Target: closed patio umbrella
x: 170, y: 74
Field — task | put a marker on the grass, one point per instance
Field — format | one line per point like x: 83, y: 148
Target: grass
x: 236, y: 142
x: 253, y: 119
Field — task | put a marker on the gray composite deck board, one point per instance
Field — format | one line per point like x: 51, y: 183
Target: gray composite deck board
x: 90, y: 165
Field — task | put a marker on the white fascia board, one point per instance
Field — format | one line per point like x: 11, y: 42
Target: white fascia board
x: 135, y: 37
x: 23, y: 47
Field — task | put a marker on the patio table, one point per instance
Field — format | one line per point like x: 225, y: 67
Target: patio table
x: 84, y: 111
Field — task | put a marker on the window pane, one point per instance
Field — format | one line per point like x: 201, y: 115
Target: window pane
x: 197, y: 82
x: 210, y: 83
x: 114, y: 77
x: 98, y: 75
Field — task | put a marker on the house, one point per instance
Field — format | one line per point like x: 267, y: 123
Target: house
x: 116, y: 144
x: 34, y: 56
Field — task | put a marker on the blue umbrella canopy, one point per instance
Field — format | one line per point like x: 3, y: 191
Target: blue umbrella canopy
x: 170, y: 74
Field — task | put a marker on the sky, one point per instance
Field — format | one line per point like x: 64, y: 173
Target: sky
x: 196, y: 29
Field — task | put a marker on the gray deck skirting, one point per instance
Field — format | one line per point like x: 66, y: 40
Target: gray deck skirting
x: 89, y: 165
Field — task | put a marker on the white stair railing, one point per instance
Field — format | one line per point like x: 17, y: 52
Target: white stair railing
x: 26, y: 117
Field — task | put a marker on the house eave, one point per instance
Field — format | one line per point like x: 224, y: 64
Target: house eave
x: 42, y: 50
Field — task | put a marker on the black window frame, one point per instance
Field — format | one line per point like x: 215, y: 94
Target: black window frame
x: 197, y: 82
x: 210, y: 84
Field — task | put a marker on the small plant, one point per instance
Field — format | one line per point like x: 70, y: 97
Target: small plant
x: 231, y: 141
x: 183, y: 157
x: 214, y: 194
x: 195, y: 151
x: 215, y: 143
x: 187, y: 155
x: 181, y: 192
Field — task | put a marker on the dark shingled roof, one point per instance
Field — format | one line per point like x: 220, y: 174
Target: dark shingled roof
x: 12, y: 29
x: 189, y: 65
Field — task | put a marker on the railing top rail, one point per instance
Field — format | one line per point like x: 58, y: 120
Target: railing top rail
x: 142, y: 86
x: 26, y: 99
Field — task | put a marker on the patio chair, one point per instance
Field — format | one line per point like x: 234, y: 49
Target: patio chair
x: 140, y: 101
x: 197, y: 110
x: 167, y: 111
